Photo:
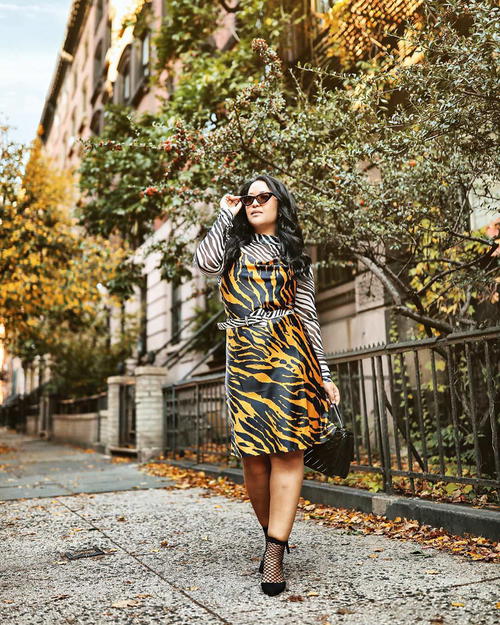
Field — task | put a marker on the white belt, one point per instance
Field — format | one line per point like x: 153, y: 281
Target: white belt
x: 258, y: 317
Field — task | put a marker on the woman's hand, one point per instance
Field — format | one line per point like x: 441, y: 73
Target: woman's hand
x: 332, y: 391
x: 232, y: 202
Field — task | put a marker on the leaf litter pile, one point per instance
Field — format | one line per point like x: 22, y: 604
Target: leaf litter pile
x: 5, y: 449
x: 471, y: 547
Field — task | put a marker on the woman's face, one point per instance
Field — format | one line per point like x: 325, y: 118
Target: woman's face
x: 263, y: 217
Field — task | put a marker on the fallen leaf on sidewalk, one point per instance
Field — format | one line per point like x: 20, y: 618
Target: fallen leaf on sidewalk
x: 349, y: 521
x: 125, y: 603
x: 313, y: 594
x: 345, y: 611
x: 457, y: 604
x: 5, y: 449
x: 295, y: 598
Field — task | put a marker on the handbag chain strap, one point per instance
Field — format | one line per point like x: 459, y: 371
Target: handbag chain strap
x: 334, y: 409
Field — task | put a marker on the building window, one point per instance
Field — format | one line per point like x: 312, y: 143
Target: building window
x: 175, y: 311
x: 126, y: 82
x: 84, y: 99
x: 99, y: 10
x: 329, y: 277
x: 63, y: 101
x: 72, y: 138
x: 123, y: 87
x: 145, y: 53
x: 65, y: 149
x: 96, y: 123
x: 108, y: 34
x: 142, y: 347
x: 85, y: 54
x: 97, y: 64
x: 141, y: 57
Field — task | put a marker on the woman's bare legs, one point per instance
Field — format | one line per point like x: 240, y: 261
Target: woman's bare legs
x: 287, y: 473
x: 273, y: 483
x: 257, y: 472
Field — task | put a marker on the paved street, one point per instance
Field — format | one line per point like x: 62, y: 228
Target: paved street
x: 175, y: 555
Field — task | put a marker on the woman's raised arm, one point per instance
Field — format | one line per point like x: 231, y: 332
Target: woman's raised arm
x: 209, y: 253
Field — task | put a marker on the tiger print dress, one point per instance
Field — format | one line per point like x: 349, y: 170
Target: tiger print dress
x: 275, y: 363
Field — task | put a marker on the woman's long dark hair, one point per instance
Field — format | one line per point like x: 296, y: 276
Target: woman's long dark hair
x: 287, y: 229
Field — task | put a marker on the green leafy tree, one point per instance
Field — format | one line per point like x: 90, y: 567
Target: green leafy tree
x: 396, y: 170
x: 85, y: 359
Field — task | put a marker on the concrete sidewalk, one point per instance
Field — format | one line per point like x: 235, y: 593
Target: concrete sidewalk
x: 185, y: 556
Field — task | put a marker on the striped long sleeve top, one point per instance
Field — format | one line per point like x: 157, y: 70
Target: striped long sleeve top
x: 209, y: 256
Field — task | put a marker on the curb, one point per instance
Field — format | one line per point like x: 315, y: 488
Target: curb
x: 454, y: 518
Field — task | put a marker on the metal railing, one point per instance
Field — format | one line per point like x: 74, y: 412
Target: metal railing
x: 44, y: 405
x: 82, y: 405
x: 195, y: 418
x: 15, y: 411
x: 426, y: 409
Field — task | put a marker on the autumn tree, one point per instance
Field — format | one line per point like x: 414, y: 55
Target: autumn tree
x: 50, y: 268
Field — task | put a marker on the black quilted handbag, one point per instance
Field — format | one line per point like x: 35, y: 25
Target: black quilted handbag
x: 333, y: 457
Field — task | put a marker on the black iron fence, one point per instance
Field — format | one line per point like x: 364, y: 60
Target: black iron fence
x: 425, y: 409
x: 15, y: 411
x: 82, y: 405
x: 44, y: 405
x: 127, y: 416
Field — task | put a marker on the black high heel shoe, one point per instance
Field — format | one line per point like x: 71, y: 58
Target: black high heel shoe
x: 261, y: 566
x: 273, y: 566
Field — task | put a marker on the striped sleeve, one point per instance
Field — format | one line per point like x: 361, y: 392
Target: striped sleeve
x: 209, y: 253
x: 305, y: 305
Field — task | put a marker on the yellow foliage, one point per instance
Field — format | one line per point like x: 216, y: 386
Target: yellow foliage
x: 49, y: 272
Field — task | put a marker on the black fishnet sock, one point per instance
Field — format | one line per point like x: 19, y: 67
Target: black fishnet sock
x: 261, y: 565
x: 273, y: 560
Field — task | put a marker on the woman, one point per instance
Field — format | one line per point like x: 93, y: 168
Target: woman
x: 278, y: 384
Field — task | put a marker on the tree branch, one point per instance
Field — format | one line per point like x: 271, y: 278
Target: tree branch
x: 446, y: 272
x: 427, y: 321
x: 377, y: 271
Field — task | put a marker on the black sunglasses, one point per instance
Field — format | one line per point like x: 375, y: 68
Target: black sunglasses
x: 261, y: 198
